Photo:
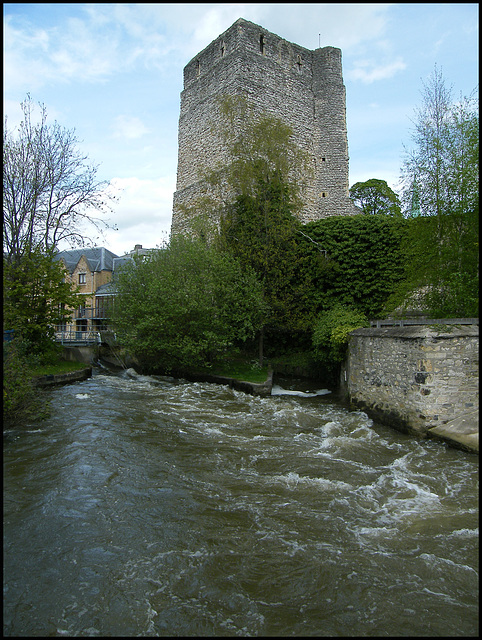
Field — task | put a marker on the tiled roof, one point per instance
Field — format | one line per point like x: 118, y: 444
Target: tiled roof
x: 98, y: 258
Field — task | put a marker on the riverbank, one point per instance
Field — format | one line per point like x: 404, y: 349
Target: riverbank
x: 50, y: 380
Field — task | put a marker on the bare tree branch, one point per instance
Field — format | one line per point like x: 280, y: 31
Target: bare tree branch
x: 49, y: 187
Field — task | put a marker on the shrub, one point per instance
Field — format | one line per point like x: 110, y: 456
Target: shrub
x: 330, y: 334
x: 21, y: 401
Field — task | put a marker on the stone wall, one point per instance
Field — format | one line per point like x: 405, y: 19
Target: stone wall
x: 414, y: 378
x: 303, y: 88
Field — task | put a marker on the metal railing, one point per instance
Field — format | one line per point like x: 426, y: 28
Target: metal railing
x: 72, y: 336
x: 91, y: 313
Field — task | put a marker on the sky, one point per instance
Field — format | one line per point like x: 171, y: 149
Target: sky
x: 114, y: 73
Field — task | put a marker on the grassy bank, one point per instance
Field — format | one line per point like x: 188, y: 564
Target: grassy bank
x: 239, y: 367
x: 241, y: 371
x: 62, y: 366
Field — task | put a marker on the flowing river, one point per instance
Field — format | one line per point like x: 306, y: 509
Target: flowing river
x: 153, y: 507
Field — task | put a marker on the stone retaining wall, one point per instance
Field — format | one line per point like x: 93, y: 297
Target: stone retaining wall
x: 414, y: 378
x: 63, y: 378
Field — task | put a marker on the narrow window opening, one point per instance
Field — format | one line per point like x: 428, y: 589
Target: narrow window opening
x: 261, y: 44
x: 223, y: 50
x: 198, y: 68
x: 298, y: 62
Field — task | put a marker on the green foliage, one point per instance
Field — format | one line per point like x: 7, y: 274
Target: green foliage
x: 261, y: 232
x: 262, y: 150
x: 21, y: 401
x: 441, y: 184
x: 330, y: 333
x: 185, y: 305
x: 355, y: 261
x: 35, y: 296
x: 265, y: 173
x: 375, y: 197
x: 441, y: 279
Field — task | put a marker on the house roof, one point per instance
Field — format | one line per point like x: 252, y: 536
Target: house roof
x: 108, y: 289
x: 98, y: 258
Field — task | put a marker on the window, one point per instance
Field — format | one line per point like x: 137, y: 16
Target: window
x: 299, y: 63
x: 223, y: 49
x: 81, y: 278
x: 198, y: 68
x: 261, y: 44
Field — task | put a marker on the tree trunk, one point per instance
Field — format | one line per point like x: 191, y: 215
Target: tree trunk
x: 260, y: 344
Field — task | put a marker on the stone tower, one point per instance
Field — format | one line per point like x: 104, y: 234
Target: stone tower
x: 303, y: 88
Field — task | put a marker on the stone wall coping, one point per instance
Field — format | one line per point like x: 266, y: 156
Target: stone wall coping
x: 439, y: 331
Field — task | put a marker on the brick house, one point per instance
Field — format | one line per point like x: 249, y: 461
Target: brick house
x: 87, y: 270
x: 91, y: 271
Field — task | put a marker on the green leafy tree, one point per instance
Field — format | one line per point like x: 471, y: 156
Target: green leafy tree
x: 375, y: 197
x: 21, y: 400
x: 258, y: 223
x: 330, y: 334
x: 35, y: 297
x: 443, y: 167
x: 185, y: 305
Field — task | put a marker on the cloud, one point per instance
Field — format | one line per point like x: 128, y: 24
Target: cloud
x: 129, y: 127
x: 142, y: 214
x: 368, y: 71
x: 101, y: 40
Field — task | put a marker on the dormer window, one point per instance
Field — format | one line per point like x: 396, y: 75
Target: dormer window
x: 81, y: 278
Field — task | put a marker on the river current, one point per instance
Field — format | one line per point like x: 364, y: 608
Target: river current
x: 146, y: 506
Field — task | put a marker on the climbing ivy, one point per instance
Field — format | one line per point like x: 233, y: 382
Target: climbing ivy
x: 356, y: 261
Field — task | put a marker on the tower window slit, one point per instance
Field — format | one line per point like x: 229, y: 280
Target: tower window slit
x: 261, y: 44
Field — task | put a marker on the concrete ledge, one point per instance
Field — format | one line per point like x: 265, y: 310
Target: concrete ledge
x: 63, y: 378
x: 462, y: 432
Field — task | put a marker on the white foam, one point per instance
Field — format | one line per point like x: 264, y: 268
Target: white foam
x: 279, y: 391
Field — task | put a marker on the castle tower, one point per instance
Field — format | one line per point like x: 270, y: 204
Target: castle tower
x: 301, y: 87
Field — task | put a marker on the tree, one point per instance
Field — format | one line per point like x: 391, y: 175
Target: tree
x: 35, y: 298
x: 440, y: 174
x: 185, y: 305
x: 49, y: 190
x: 330, y: 334
x: 258, y: 222
x: 375, y: 197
